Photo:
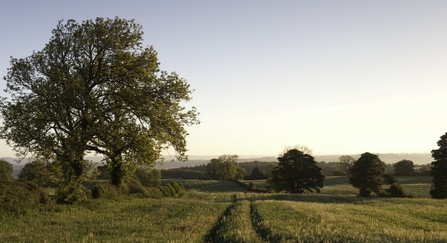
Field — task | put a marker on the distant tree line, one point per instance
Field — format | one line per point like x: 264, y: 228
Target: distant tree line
x: 258, y: 170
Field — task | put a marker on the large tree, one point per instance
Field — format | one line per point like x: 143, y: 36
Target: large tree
x: 404, y: 168
x: 367, y: 174
x: 439, y: 169
x: 296, y: 172
x: 94, y: 87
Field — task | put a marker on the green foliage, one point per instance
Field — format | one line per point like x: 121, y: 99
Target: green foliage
x: 131, y: 219
x: 148, y: 177
x: 367, y: 174
x: 395, y: 190
x: 134, y: 186
x: 72, y: 191
x: 6, y: 170
x: 257, y: 174
x: 240, y: 173
x: 105, y: 190
x: 264, y: 167
x: 404, y: 168
x: 389, y: 179
x: 212, y: 212
x: 41, y: 173
x: 173, y: 189
x: 439, y: 169
x: 181, y: 173
x: 18, y: 197
x: 223, y: 168
x: 103, y: 173
x: 154, y: 191
x: 423, y: 170
x: 296, y: 172
x: 112, y: 99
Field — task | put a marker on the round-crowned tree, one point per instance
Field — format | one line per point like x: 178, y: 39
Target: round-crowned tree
x: 404, y: 168
x: 296, y: 172
x: 439, y: 170
x: 367, y: 174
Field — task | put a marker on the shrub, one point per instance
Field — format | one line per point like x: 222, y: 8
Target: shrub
x: 396, y: 190
x: 105, y: 190
x: 6, y: 170
x: 154, y: 191
x: 251, y: 185
x: 41, y: 173
x: 18, y: 197
x: 134, y: 187
x: 148, y: 177
x: 389, y: 179
x: 72, y: 191
x: 173, y: 189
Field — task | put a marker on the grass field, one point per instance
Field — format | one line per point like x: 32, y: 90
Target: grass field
x: 222, y: 211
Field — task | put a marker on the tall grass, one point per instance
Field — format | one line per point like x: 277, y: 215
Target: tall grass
x: 236, y: 226
x: 390, y: 220
x: 222, y: 211
x: 129, y: 220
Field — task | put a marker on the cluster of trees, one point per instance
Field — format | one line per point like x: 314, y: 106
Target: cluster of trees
x: 223, y: 168
x: 94, y: 88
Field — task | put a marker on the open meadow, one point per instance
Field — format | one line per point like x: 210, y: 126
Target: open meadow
x: 223, y: 211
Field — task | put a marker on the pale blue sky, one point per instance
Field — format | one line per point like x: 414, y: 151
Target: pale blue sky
x: 341, y: 77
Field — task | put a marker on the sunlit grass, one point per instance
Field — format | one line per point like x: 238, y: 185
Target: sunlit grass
x: 225, y: 212
x: 375, y: 220
x: 236, y: 226
x: 131, y: 220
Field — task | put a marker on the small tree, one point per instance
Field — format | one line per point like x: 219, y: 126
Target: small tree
x: 257, y: 174
x: 396, y: 190
x: 389, y: 179
x: 6, y: 170
x: 439, y: 170
x: 296, y: 172
x: 404, y: 168
x: 366, y: 174
x: 345, y: 164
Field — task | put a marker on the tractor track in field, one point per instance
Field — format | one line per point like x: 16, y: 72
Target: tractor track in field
x: 262, y: 235
x: 213, y: 234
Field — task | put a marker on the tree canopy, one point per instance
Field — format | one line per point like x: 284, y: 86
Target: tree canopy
x: 223, y: 168
x: 296, y: 172
x: 404, y: 168
x: 367, y: 174
x: 95, y: 88
x: 439, y: 169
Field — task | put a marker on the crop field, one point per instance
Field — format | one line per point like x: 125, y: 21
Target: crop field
x: 222, y: 211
